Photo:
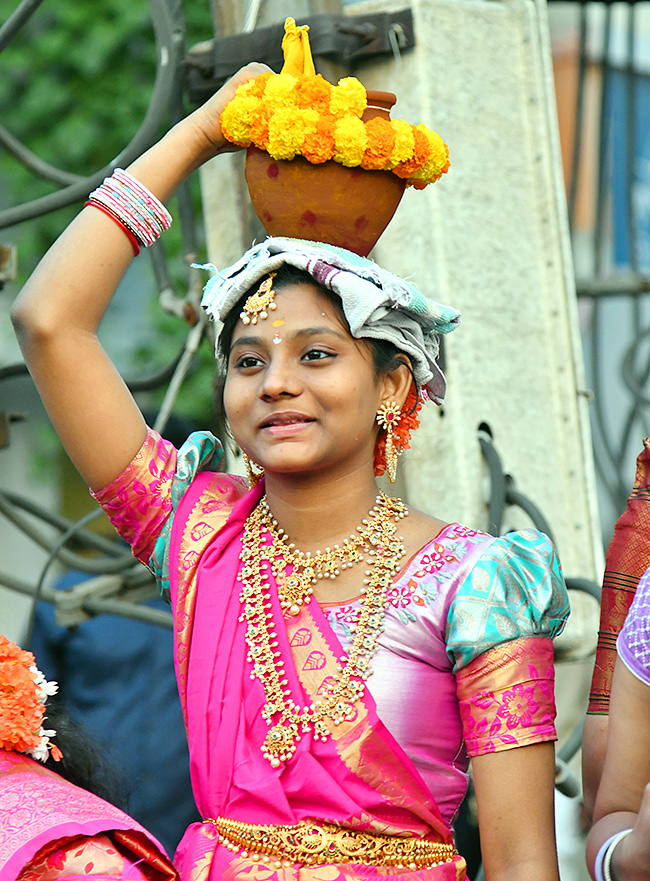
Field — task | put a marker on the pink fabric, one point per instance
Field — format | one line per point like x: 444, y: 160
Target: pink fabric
x: 139, y: 501
x: 38, y: 807
x: 225, y: 728
x: 506, y: 696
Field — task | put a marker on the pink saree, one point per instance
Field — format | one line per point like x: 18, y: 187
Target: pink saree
x: 360, y: 778
x: 51, y: 830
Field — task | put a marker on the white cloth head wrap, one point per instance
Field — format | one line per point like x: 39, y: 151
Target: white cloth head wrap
x: 377, y: 304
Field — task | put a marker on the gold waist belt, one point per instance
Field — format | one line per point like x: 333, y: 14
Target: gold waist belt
x: 317, y: 844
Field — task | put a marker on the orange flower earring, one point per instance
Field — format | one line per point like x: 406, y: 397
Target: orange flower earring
x: 388, y: 416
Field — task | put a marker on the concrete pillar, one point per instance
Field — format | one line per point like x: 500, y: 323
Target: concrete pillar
x: 490, y: 238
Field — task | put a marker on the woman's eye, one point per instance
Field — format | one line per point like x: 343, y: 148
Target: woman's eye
x: 247, y: 362
x: 317, y: 355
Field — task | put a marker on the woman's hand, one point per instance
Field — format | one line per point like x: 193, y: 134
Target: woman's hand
x: 206, y: 118
x: 631, y: 858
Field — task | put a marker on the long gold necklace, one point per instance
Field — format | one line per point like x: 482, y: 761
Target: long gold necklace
x: 376, y: 540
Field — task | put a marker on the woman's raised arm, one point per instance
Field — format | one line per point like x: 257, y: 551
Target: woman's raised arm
x: 57, y: 313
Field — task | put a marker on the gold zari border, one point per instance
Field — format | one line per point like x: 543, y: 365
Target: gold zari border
x: 323, y: 843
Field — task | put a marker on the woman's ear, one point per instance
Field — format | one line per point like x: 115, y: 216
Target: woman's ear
x: 396, y: 383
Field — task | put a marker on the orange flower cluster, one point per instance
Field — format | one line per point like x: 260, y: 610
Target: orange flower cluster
x: 306, y: 116
x: 22, y: 702
x: 409, y: 421
x: 21, y: 712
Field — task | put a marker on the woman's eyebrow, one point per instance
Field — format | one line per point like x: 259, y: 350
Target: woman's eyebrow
x: 248, y: 341
x: 319, y: 331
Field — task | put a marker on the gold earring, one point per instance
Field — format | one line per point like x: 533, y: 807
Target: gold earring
x: 253, y: 476
x: 388, y: 416
x: 259, y: 303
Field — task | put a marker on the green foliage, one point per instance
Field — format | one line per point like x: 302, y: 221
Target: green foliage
x: 75, y: 85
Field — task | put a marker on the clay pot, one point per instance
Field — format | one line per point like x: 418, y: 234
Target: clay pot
x: 348, y: 207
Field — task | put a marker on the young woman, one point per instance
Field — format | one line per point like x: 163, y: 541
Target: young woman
x: 329, y: 718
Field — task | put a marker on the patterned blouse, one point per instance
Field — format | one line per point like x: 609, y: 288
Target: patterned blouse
x: 468, y: 628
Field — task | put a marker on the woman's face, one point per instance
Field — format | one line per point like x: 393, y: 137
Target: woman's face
x: 301, y: 393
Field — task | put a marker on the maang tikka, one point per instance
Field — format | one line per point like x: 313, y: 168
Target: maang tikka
x: 388, y: 416
x: 261, y: 302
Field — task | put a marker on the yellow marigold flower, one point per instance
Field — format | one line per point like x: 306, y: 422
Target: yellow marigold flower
x: 350, y: 141
x: 288, y: 129
x: 404, y: 143
x: 279, y: 91
x: 237, y: 117
x: 348, y: 97
x: 438, y: 161
x: 381, y: 140
x: 313, y: 92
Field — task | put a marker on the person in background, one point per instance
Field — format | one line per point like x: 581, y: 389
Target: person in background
x: 628, y: 556
x: 618, y: 846
x: 56, y: 823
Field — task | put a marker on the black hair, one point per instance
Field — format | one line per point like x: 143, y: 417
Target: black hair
x: 83, y: 764
x: 386, y: 357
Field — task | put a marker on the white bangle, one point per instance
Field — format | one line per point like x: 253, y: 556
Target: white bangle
x: 602, y: 867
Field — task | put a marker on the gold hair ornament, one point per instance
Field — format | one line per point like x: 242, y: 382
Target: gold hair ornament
x: 388, y: 416
x: 261, y: 302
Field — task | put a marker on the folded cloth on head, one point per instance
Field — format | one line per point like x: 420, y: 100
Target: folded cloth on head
x: 377, y: 304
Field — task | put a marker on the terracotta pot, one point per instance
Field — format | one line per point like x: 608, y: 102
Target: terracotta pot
x: 348, y: 207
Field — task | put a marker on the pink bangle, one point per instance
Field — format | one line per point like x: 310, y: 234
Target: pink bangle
x: 134, y: 242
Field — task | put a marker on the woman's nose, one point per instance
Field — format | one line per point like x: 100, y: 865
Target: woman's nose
x: 280, y: 378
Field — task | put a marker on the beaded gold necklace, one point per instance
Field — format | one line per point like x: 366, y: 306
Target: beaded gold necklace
x: 376, y: 540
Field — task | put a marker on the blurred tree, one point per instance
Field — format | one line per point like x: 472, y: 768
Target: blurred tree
x: 75, y: 84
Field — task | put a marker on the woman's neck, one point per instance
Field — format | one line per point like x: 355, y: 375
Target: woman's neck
x: 319, y: 513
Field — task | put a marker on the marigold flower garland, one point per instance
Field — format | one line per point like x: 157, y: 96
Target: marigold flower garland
x: 23, y: 693
x: 291, y: 115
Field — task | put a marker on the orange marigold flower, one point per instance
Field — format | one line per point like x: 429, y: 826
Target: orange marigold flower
x: 438, y: 161
x: 259, y: 131
x: 313, y: 92
x: 381, y: 140
x: 409, y: 421
x: 254, y: 88
x: 319, y: 146
x: 421, y: 152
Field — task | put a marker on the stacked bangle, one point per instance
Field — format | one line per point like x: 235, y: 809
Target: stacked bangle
x: 141, y: 216
x: 603, y: 864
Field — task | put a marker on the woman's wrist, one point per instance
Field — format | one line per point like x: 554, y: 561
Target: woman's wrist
x: 626, y: 862
x: 617, y: 860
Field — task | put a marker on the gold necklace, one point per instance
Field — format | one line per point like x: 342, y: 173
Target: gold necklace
x: 261, y: 558
x: 309, y: 567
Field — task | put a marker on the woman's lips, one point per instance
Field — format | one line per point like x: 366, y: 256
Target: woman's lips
x: 286, y: 424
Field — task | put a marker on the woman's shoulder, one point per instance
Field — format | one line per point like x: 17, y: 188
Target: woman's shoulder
x: 514, y: 589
